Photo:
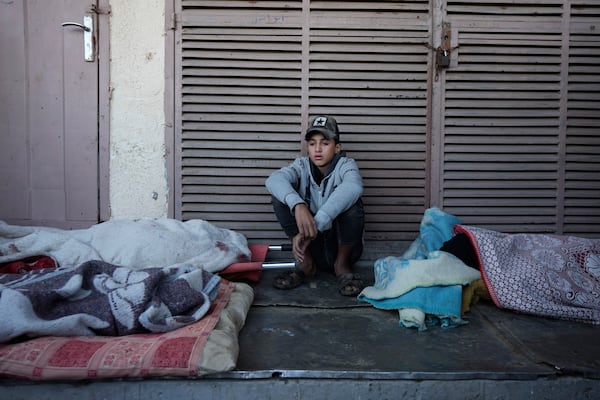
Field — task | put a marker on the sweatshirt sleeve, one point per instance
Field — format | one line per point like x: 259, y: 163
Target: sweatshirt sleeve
x: 343, y: 196
x: 281, y: 184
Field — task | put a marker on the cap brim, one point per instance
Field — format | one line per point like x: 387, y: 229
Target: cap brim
x: 323, y: 131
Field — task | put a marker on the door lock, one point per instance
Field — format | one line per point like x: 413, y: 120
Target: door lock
x: 443, y: 58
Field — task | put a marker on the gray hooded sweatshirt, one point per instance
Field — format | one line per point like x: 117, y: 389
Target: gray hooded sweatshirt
x: 339, y: 189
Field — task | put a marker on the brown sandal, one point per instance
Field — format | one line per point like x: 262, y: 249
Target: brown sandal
x: 289, y: 279
x: 350, y: 284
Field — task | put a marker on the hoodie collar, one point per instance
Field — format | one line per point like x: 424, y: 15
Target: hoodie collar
x: 316, y: 173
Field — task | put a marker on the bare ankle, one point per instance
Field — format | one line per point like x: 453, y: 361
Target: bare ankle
x: 343, y: 263
x: 341, y: 269
x: 308, y: 265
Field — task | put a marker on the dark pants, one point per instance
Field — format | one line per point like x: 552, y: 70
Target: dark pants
x: 347, y: 230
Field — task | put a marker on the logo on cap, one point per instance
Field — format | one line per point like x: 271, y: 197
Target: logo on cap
x: 320, y: 121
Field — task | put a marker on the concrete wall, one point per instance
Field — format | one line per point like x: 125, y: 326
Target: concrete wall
x: 138, y: 177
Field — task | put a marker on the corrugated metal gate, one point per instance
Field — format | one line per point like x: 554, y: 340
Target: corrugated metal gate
x: 505, y: 137
x: 521, y: 121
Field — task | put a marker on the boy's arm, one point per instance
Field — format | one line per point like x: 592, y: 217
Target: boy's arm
x: 281, y: 184
x: 307, y: 227
x: 343, y: 197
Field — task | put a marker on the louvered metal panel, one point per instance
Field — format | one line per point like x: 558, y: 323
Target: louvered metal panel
x: 240, y: 107
x: 582, y: 161
x: 501, y: 157
x: 368, y: 67
x: 516, y: 147
x: 253, y: 73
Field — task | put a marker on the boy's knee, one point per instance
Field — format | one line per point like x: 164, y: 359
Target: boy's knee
x: 285, y: 217
x: 276, y: 203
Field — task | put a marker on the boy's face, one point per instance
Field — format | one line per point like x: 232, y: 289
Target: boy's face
x: 322, y: 150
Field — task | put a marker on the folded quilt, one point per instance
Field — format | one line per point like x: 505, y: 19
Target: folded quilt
x: 135, y: 244
x: 97, y: 298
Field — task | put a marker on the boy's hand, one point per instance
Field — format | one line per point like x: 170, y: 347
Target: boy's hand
x: 307, y: 228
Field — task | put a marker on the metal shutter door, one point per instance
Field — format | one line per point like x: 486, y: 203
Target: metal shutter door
x: 582, y: 144
x: 240, y: 109
x: 368, y: 66
x: 253, y: 72
x: 520, y: 141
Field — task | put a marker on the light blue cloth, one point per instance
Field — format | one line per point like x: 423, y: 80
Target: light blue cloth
x: 436, y: 228
x: 437, y: 305
x: 439, y: 300
x: 423, y: 279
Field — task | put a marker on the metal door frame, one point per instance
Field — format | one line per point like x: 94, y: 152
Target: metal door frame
x: 103, y: 53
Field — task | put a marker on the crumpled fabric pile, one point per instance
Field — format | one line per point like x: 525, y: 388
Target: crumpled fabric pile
x: 424, y: 284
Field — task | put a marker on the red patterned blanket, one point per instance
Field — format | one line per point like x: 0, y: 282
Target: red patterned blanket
x: 209, y: 345
x: 546, y: 275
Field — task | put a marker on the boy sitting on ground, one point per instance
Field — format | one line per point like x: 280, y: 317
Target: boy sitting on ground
x: 317, y: 200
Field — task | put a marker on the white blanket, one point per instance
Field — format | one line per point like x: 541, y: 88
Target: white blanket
x: 395, y: 276
x: 134, y: 244
x: 424, y: 291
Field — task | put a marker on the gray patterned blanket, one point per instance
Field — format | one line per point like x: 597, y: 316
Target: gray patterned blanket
x: 98, y: 298
x: 546, y: 275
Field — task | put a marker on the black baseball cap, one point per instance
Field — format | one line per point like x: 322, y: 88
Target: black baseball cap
x: 325, y: 125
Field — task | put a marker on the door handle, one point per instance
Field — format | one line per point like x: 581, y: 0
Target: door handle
x: 88, y: 36
x: 82, y: 26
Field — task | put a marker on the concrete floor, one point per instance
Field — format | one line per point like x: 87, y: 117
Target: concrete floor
x: 312, y: 343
